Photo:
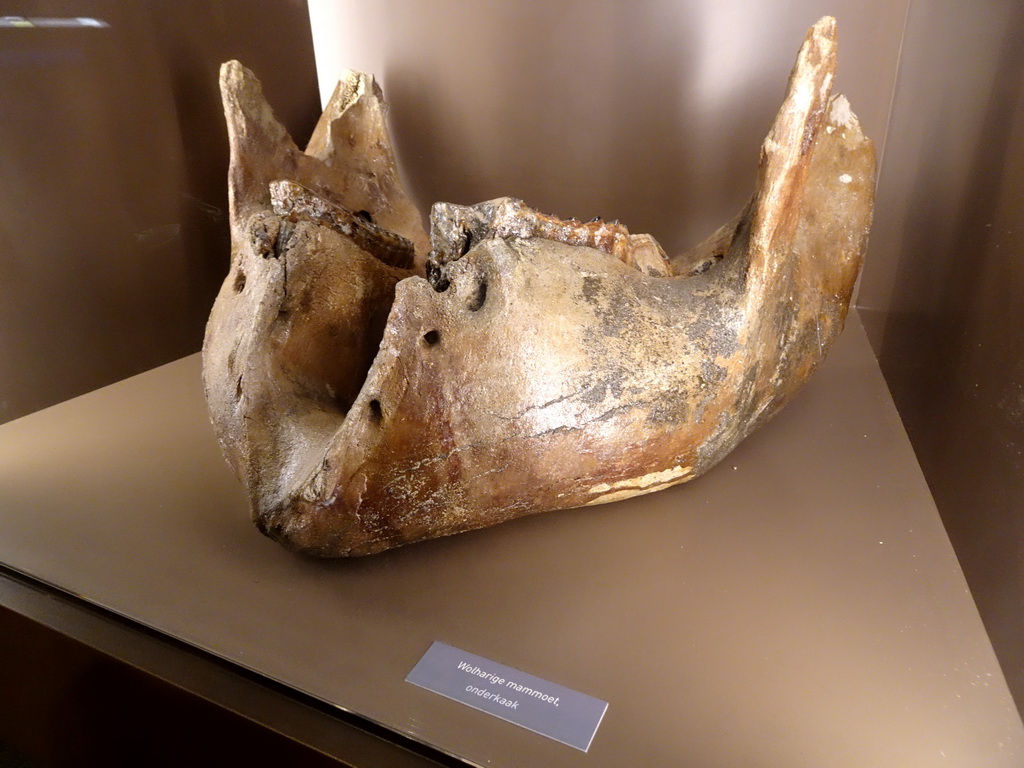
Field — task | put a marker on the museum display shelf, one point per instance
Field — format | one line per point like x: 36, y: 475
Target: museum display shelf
x: 798, y: 605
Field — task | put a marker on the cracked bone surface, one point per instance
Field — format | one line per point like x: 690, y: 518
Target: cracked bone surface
x: 372, y: 388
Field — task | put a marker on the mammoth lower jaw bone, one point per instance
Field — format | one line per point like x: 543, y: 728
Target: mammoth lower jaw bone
x: 371, y: 390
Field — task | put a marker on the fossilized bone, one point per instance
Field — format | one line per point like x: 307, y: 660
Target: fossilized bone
x: 542, y: 364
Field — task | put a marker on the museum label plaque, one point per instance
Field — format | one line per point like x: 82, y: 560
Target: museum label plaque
x: 538, y: 705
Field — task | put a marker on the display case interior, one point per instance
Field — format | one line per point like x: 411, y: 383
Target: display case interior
x: 801, y: 603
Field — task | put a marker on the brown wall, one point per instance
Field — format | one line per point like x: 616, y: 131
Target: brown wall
x: 113, y: 233
x: 943, y: 289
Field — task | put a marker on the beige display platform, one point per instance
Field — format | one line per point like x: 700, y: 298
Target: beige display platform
x: 800, y: 605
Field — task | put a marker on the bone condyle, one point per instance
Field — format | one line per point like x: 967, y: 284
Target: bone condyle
x: 372, y: 386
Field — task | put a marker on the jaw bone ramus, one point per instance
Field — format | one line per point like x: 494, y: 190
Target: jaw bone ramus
x: 371, y: 387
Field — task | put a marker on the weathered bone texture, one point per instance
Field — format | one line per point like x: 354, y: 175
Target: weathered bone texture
x: 369, y: 397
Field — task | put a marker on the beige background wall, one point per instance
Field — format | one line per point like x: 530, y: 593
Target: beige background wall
x: 648, y: 112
